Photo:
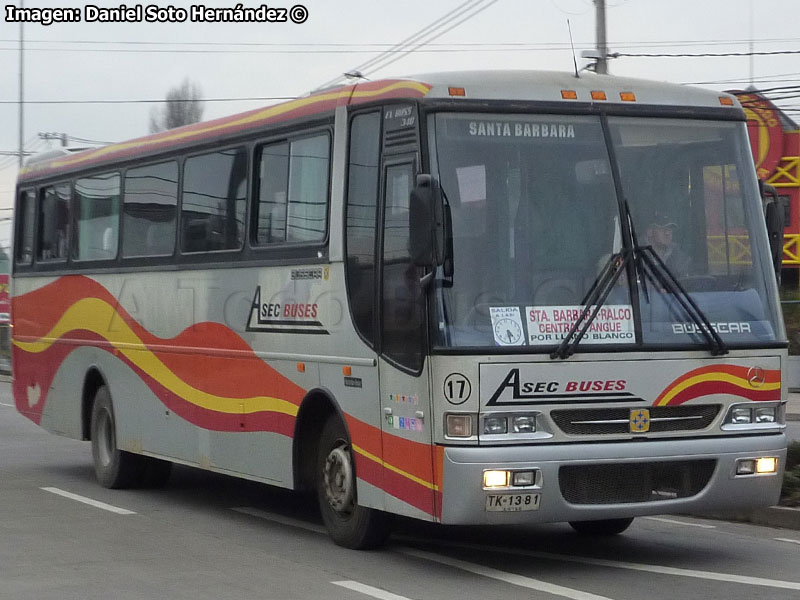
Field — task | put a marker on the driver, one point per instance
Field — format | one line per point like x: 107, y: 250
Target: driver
x: 661, y: 236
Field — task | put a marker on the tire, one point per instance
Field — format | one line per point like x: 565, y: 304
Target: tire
x: 114, y: 468
x: 349, y: 525
x: 601, y: 528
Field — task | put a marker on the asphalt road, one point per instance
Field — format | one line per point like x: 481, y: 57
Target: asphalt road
x: 210, y: 536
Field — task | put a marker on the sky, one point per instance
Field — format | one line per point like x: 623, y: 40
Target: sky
x: 128, y: 67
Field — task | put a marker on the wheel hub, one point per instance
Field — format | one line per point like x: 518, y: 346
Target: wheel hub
x: 338, y: 477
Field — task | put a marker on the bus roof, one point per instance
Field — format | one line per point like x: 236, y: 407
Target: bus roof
x: 547, y: 86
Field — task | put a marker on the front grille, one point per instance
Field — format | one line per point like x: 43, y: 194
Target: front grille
x: 636, y: 482
x: 604, y: 421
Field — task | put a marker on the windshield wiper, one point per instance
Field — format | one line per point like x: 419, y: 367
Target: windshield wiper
x: 648, y: 265
x: 660, y: 273
x: 593, y: 302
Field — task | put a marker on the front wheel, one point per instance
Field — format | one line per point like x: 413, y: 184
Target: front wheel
x: 348, y: 524
x: 601, y: 528
x: 114, y: 468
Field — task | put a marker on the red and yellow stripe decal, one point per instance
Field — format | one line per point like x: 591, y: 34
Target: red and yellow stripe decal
x: 241, y: 123
x: 721, y: 379
x: 208, y: 375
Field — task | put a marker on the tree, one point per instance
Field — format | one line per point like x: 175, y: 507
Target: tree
x: 184, y: 105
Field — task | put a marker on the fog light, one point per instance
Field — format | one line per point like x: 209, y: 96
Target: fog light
x: 521, y: 478
x: 524, y: 424
x: 495, y: 425
x: 766, y: 464
x: 765, y: 414
x: 746, y: 467
x: 495, y: 479
x: 741, y: 416
x: 459, y: 426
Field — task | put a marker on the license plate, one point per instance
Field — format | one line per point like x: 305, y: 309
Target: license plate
x: 512, y: 502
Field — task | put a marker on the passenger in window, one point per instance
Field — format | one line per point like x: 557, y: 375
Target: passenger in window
x: 661, y: 236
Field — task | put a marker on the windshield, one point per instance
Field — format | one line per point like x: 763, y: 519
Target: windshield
x: 536, y: 218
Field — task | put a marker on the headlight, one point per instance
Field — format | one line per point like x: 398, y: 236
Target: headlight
x: 764, y: 465
x: 754, y: 415
x: 741, y: 416
x: 766, y: 414
x: 495, y: 425
x: 494, y: 479
x: 523, y: 424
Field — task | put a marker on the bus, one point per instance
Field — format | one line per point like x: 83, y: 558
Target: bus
x: 453, y: 297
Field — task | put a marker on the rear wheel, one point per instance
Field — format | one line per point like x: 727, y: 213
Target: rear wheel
x: 114, y: 468
x: 602, y: 527
x: 348, y: 524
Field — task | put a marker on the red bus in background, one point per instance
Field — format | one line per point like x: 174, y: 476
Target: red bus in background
x: 5, y: 301
x: 775, y: 143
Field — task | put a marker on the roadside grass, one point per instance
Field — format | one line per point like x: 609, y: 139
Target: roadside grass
x: 790, y: 494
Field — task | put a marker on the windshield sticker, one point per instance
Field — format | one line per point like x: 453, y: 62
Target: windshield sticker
x: 550, y: 324
x: 471, y: 183
x: 507, y: 326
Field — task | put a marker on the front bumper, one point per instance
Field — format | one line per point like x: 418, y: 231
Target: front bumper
x: 464, y: 498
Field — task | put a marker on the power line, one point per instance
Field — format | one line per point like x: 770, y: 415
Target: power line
x: 150, y: 101
x: 438, y: 35
x: 367, y: 45
x: 760, y: 78
x: 407, y: 41
x: 702, y: 55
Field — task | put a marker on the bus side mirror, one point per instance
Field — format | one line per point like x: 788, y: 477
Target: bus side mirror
x: 426, y: 223
x: 773, y: 215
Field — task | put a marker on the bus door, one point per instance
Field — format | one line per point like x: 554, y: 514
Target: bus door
x: 405, y: 402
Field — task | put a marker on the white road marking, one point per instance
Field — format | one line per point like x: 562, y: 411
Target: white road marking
x: 676, y: 522
x: 8, y: 405
x: 368, y: 590
x: 261, y: 514
x: 791, y: 541
x: 602, y: 562
x: 89, y: 501
x: 512, y: 578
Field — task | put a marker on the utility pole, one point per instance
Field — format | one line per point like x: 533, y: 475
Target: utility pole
x: 602, y: 47
x: 21, y: 90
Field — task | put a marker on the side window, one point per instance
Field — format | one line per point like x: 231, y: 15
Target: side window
x: 308, y: 189
x: 150, y: 210
x: 97, y: 217
x: 52, y: 241
x: 361, y: 221
x: 269, y: 214
x: 403, y: 307
x: 26, y: 213
x: 292, y: 191
x: 213, y: 201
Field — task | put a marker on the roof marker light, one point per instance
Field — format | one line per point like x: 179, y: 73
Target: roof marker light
x: 599, y: 95
x: 569, y: 95
x: 457, y: 91
x: 627, y: 96
x: 725, y: 101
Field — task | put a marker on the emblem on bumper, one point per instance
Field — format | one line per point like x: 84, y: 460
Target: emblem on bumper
x: 639, y: 420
